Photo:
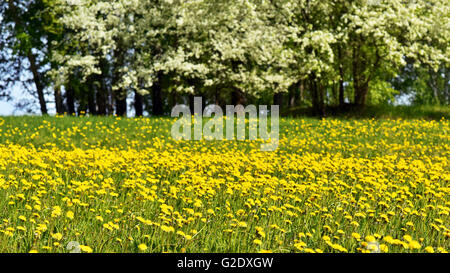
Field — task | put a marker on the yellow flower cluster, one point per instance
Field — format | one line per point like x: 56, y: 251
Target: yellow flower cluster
x: 116, y: 185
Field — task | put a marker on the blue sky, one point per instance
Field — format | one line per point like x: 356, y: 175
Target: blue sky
x: 7, y: 107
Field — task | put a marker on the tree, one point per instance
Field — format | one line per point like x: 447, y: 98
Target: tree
x: 379, y: 36
x: 148, y: 40
x: 24, y: 37
x: 323, y: 52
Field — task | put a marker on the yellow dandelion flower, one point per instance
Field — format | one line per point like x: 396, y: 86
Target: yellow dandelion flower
x: 142, y: 247
x: 86, y: 249
x: 69, y: 215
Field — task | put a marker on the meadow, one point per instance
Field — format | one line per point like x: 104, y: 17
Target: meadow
x: 124, y: 185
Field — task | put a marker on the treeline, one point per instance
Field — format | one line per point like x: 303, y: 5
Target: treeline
x: 105, y: 57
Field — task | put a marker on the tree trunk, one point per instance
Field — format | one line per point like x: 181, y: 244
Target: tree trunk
x: 294, y: 94
x: 302, y: 92
x: 32, y: 59
x: 291, y: 98
x: 335, y: 92
x: 157, y: 103
x: 447, y: 80
x: 111, y: 102
x: 317, y: 97
x: 138, y: 106
x: 360, y: 84
x: 191, y: 103
x: 341, y: 93
x: 58, y: 100
x: 321, y: 92
x: 70, y: 94
x: 278, y: 99
x: 38, y: 83
x: 91, y: 99
x: 121, y: 102
x: 101, y: 89
x: 173, y: 98
x: 314, y: 97
x: 102, y: 100
x: 237, y: 97
x: 120, y: 94
x: 361, y: 91
x: 341, y: 79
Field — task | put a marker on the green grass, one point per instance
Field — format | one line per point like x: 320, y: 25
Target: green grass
x: 429, y: 112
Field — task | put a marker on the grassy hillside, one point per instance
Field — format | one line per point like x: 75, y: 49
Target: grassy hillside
x: 123, y: 185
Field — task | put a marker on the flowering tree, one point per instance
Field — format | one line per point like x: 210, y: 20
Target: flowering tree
x: 368, y: 39
x: 246, y: 48
x: 381, y: 35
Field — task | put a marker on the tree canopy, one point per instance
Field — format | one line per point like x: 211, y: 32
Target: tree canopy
x: 97, y: 53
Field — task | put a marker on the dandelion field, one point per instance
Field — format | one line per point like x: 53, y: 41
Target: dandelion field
x: 124, y: 185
